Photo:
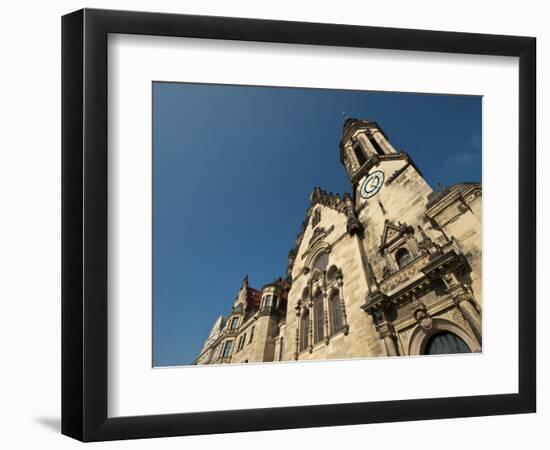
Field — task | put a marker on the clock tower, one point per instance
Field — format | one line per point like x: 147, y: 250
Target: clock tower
x: 391, y: 269
x: 389, y: 192
x: 370, y: 160
x: 413, y: 261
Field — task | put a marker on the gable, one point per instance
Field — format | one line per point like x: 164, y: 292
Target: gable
x: 332, y: 213
x: 392, y: 232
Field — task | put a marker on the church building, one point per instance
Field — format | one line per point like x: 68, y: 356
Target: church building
x: 392, y: 269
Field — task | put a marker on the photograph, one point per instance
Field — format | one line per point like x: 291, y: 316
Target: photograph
x: 274, y: 225
x: 299, y: 224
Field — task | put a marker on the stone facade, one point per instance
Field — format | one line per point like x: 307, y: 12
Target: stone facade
x: 393, y: 269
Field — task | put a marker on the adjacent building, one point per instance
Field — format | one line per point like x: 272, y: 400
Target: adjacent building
x: 392, y: 269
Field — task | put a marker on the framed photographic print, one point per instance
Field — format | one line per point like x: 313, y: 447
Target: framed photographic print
x: 274, y: 225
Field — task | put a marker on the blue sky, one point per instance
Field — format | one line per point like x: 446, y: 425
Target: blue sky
x: 233, y: 168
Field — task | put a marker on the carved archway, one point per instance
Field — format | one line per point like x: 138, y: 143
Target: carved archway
x: 314, y: 252
x: 421, y: 336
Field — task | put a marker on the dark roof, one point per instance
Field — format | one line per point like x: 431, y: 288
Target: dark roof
x: 277, y: 282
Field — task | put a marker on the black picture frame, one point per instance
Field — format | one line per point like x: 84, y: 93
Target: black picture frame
x: 84, y: 224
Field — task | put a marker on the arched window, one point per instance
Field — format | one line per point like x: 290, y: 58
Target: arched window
x: 402, y: 257
x: 305, y: 330
x: 375, y: 144
x: 331, y: 274
x: 445, y: 343
x: 336, y: 312
x: 321, y: 262
x: 319, y: 313
x: 316, y: 217
x: 359, y: 154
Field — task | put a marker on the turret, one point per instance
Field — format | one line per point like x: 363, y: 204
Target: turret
x: 363, y: 143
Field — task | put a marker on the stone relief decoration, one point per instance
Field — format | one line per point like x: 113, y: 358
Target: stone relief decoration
x: 416, y: 266
x: 472, y: 194
x: 454, y: 315
x: 397, y: 246
x: 427, y: 245
x: 419, y: 312
x: 311, y: 255
x: 353, y: 225
x: 405, y: 337
x: 392, y: 231
x: 318, y: 234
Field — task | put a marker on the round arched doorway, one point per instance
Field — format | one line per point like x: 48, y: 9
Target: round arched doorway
x: 445, y: 343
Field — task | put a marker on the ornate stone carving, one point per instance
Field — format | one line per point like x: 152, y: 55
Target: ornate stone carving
x: 456, y: 315
x: 405, y: 337
x: 353, y: 225
x: 420, y: 313
x: 392, y: 233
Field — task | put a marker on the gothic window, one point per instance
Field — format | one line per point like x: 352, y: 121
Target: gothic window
x: 305, y: 330
x: 446, y: 343
x: 375, y: 144
x: 234, y: 323
x: 359, y: 154
x: 227, y: 348
x: 336, y: 312
x: 319, y: 312
x: 305, y: 296
x: 331, y: 274
x: 322, y: 312
x: 316, y: 217
x: 321, y: 262
x: 267, y: 301
x: 402, y: 257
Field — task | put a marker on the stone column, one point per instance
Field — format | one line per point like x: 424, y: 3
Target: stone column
x: 390, y: 263
x: 343, y: 306
x: 391, y: 349
x: 297, y: 351
x: 352, y: 159
x: 413, y: 245
x: 310, y: 331
x: 325, y: 309
x: 388, y: 336
x: 470, y: 314
x: 367, y: 145
x: 383, y: 142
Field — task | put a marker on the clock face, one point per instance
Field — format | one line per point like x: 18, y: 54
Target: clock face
x: 372, y: 184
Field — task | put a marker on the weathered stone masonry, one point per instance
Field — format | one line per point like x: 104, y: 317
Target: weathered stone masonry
x: 393, y: 269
